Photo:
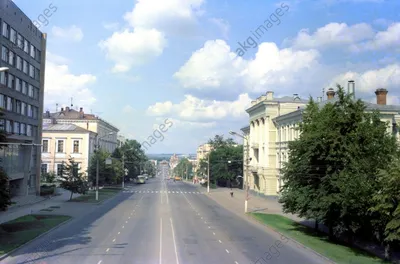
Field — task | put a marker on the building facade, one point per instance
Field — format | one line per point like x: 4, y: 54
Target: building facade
x: 274, y: 123
x: 173, y: 161
x: 107, y: 133
x: 63, y: 141
x: 23, y: 50
x: 120, y: 141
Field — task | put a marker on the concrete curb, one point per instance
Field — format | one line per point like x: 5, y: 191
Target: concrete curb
x: 250, y: 216
x: 39, y: 236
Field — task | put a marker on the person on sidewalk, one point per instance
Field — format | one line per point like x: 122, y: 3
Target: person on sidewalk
x: 230, y: 183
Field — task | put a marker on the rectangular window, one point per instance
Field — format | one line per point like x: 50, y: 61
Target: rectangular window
x: 35, y: 112
x: 59, y: 170
x: 8, y: 126
x: 18, y: 106
x: 13, y: 36
x: 76, y: 146
x: 32, y: 53
x: 30, y: 112
x: 43, y: 168
x: 18, y: 84
x: 25, y: 67
x: 31, y: 71
x: 26, y: 46
x: 11, y: 83
x: 2, y: 101
x: 30, y: 90
x: 23, y: 108
x: 23, y: 129
x: 6, y: 30
x: 11, y: 58
x: 2, y: 124
x: 20, y: 41
x: 19, y: 63
x: 60, y: 146
x: 45, y: 147
x: 36, y: 93
x: 4, y: 53
x: 3, y: 78
x: 9, y: 104
x: 38, y: 55
x: 29, y: 130
x: 37, y: 74
x: 16, y: 128
x: 24, y: 87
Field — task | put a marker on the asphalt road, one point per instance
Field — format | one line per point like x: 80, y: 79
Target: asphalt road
x: 161, y: 222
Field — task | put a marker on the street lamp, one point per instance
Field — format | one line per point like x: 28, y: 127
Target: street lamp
x: 3, y: 69
x: 97, y: 162
x: 208, y: 172
x: 244, y: 164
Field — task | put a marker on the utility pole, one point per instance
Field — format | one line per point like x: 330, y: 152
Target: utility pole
x: 123, y: 171
x: 246, y: 174
x: 97, y: 167
x: 208, y: 173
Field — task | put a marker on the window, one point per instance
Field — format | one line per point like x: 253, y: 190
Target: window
x: 2, y: 124
x: 11, y: 58
x: 76, y: 146
x: 29, y: 130
x: 3, y: 78
x: 18, y: 106
x: 18, y: 84
x: 20, y: 41
x: 43, y: 168
x: 11, y: 82
x: 22, y: 130
x: 9, y: 104
x: 6, y: 30
x: 16, y: 128
x: 26, y: 46
x: 36, y: 93
x: 35, y: 112
x: 31, y: 71
x: 24, y: 87
x: 8, y: 126
x: 30, y: 90
x: 32, y: 53
x: 45, y: 147
x: 23, y: 108
x: 19, y: 63
x: 59, y: 169
x: 25, y: 67
x: 37, y: 74
x: 2, y: 101
x: 13, y: 36
x: 30, y: 112
x: 60, y: 146
x: 4, y: 54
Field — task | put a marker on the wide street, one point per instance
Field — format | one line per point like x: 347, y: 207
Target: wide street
x: 161, y: 222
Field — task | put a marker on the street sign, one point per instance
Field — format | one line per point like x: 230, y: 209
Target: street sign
x: 108, y: 161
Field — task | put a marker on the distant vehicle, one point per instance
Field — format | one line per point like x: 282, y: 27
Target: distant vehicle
x: 177, y: 178
x: 146, y: 176
x: 141, y: 179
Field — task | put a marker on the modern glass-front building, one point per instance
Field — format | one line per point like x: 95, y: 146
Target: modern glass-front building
x: 23, y: 49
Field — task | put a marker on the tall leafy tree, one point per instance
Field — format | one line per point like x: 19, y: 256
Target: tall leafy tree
x: 184, y: 168
x: 72, y: 179
x: 332, y: 167
x: 219, y: 141
x: 104, y: 174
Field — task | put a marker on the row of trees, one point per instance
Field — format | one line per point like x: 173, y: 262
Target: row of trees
x: 184, y: 169
x: 226, y: 162
x: 344, y: 171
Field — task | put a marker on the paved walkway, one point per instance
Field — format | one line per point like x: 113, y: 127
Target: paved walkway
x: 18, y: 211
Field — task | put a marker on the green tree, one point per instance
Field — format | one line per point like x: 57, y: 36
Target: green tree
x: 134, y: 157
x: 104, y: 173
x: 49, y: 177
x: 5, y: 195
x: 219, y: 141
x: 331, y: 170
x: 184, y: 168
x: 149, y: 168
x: 72, y: 179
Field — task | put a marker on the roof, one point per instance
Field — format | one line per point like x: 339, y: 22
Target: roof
x: 64, y: 128
x: 70, y: 114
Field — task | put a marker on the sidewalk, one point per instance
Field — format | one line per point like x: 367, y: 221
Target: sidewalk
x: 271, y: 206
x: 29, y: 208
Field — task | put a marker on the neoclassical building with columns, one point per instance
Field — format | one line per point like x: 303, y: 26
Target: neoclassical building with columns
x: 273, y: 123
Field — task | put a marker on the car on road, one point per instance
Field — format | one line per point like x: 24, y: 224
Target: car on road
x: 177, y: 178
x: 141, y: 179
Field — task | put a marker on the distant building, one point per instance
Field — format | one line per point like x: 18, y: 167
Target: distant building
x: 61, y: 141
x: 120, y: 141
x: 173, y: 161
x: 102, y: 128
x: 154, y: 163
x: 23, y: 49
x: 273, y: 123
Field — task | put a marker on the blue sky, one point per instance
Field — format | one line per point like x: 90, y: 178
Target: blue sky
x: 136, y: 63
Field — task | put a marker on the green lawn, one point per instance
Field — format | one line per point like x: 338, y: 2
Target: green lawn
x: 316, y: 241
x: 104, y: 194
x: 23, y: 229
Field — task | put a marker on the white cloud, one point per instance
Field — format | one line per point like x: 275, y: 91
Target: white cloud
x: 132, y: 48
x: 128, y: 109
x: 215, y: 67
x: 61, y: 85
x: 168, y: 16
x: 111, y: 26
x: 56, y: 58
x: 368, y: 81
x: 388, y: 39
x: 189, y: 124
x: 72, y: 33
x: 332, y: 34
x: 196, y: 110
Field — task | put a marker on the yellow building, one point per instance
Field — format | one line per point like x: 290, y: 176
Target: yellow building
x: 273, y: 123
x: 62, y: 141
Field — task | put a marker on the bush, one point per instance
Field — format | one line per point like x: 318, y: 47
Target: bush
x: 47, y: 190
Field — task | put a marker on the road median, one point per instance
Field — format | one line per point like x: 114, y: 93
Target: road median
x: 104, y: 194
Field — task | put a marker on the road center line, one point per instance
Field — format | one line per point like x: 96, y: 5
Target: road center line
x: 160, y: 240
x: 173, y: 236
x: 99, y: 262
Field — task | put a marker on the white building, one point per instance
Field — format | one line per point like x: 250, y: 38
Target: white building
x: 273, y: 123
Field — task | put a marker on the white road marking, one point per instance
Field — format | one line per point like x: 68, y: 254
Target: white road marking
x: 119, y: 233
x: 123, y: 226
x: 99, y: 262
x: 213, y: 233
x: 126, y: 222
x: 114, y: 240
x: 220, y: 241
x: 236, y: 262
x: 173, y: 236
x: 107, y: 249
x: 129, y: 217
x: 160, y: 239
x: 227, y: 251
x: 209, y: 227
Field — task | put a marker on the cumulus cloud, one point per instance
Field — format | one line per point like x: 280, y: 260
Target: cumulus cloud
x: 388, y: 39
x: 197, y: 110
x: 61, y: 85
x: 73, y: 33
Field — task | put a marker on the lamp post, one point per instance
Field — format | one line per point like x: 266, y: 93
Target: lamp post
x: 208, y: 172
x: 244, y: 164
x: 98, y: 163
